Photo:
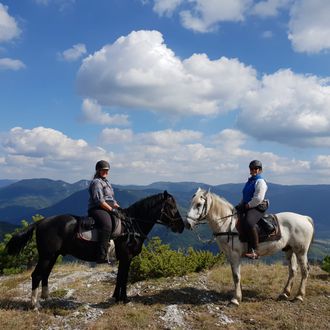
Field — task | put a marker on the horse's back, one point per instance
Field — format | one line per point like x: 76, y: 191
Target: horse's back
x: 298, y: 227
x: 54, y: 230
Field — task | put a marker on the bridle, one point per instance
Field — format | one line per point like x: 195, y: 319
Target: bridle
x: 163, y: 213
x: 202, y: 219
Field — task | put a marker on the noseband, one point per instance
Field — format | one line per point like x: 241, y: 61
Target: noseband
x: 163, y: 213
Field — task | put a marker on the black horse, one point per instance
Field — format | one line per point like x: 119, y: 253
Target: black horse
x: 57, y: 235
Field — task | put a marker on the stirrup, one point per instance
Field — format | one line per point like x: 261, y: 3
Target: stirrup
x: 252, y: 255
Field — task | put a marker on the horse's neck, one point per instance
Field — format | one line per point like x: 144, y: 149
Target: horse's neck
x: 220, y: 217
x: 144, y: 218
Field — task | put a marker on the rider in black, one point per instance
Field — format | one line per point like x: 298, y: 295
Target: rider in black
x: 101, y: 204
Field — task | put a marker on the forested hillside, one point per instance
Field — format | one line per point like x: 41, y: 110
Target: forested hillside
x: 26, y: 198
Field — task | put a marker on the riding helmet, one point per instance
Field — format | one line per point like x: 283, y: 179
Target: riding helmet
x: 102, y: 165
x: 255, y: 164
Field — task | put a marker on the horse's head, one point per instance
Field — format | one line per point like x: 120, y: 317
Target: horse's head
x: 199, y: 208
x: 170, y: 215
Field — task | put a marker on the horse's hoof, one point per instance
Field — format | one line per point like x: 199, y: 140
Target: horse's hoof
x: 298, y: 299
x: 126, y: 300
x: 283, y: 296
x: 36, y: 307
x: 233, y: 303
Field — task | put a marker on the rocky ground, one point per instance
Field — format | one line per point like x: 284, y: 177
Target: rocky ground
x: 80, y: 298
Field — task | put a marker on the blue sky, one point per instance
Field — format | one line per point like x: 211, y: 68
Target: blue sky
x: 166, y: 90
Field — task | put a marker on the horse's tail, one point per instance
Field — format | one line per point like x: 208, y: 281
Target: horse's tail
x: 310, y: 220
x: 19, y: 240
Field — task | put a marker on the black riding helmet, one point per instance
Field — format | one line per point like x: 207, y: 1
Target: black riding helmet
x: 102, y: 165
x: 255, y: 164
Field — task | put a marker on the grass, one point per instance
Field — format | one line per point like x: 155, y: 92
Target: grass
x: 80, y: 297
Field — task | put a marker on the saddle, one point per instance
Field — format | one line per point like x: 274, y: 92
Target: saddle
x: 86, y: 228
x: 268, y: 229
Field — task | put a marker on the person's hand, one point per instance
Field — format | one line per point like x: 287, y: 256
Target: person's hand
x: 116, y: 205
x: 240, y: 208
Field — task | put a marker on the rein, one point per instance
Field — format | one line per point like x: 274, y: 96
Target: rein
x: 202, y: 220
x: 133, y: 228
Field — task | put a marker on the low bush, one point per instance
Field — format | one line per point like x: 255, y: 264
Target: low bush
x: 159, y: 260
x: 326, y: 264
x: 23, y: 261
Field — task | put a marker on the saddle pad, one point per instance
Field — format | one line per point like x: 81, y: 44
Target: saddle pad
x: 92, y: 234
x: 276, y: 234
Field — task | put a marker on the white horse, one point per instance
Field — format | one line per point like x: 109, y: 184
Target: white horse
x: 297, y: 235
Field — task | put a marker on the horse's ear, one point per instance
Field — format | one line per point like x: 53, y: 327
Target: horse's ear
x: 166, y: 194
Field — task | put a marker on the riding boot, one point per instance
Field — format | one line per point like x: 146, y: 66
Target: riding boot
x: 253, y: 244
x: 102, y: 246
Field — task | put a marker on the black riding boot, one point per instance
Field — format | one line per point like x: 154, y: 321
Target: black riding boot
x: 102, y: 246
x: 253, y: 244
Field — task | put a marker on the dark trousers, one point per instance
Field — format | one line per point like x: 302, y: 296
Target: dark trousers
x: 102, y: 219
x: 250, y: 220
x: 103, y: 223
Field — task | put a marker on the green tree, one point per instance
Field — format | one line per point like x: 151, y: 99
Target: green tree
x: 23, y: 261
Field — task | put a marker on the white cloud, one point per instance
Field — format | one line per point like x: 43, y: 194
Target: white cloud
x: 309, y: 26
x: 169, y: 138
x: 166, y: 7
x: 191, y: 156
x: 206, y: 14
x: 63, y: 5
x: 116, y: 136
x: 11, y: 64
x: 288, y: 108
x: 140, y: 71
x: 169, y: 155
x: 42, y: 151
x: 270, y: 8
x: 73, y: 53
x: 323, y: 162
x: 46, y: 143
x: 8, y: 26
x: 92, y: 113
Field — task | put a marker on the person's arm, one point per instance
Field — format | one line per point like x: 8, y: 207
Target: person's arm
x: 259, y: 193
x: 106, y: 206
x: 97, y: 195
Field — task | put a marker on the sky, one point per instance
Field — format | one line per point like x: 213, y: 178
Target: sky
x: 165, y: 90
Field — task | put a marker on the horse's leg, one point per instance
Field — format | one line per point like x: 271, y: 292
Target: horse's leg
x: 116, y: 293
x: 123, y: 292
x: 303, y: 262
x: 45, y: 276
x: 236, y: 273
x: 36, y: 278
x: 292, y: 264
x: 120, y: 293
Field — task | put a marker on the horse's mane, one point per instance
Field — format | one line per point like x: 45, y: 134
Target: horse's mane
x: 144, y: 204
x: 220, y: 205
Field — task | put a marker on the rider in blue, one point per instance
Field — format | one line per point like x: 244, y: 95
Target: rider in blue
x: 254, y: 193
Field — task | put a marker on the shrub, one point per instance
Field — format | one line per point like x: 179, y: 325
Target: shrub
x: 24, y: 260
x: 158, y: 260
x: 326, y: 264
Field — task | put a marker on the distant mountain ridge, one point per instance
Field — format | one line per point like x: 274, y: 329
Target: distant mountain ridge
x: 23, y: 199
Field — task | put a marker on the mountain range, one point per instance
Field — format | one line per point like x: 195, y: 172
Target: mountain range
x: 25, y: 198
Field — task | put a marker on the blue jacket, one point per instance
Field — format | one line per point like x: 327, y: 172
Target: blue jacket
x: 249, y: 188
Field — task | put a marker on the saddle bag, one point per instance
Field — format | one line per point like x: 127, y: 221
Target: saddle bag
x: 266, y: 226
x: 263, y: 206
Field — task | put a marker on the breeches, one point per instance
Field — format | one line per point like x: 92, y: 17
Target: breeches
x: 251, y: 218
x: 102, y: 219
